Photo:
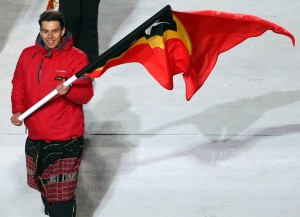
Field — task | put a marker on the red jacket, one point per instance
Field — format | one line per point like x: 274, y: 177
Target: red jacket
x: 36, y: 75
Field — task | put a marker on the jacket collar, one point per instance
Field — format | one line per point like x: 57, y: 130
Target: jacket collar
x: 65, y: 44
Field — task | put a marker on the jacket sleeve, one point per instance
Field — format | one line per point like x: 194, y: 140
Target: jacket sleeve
x: 18, y: 94
x: 81, y: 90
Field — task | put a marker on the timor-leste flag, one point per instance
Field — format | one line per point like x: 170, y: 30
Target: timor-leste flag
x: 52, y: 5
x: 173, y: 42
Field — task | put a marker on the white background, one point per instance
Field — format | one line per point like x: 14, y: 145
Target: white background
x: 232, y: 151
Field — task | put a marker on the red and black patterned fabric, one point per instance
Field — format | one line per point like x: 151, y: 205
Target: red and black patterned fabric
x: 52, y: 167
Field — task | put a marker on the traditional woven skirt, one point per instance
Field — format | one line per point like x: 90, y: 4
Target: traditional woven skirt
x: 52, y: 167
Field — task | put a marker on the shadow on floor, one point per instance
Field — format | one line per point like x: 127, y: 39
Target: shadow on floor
x: 105, y: 151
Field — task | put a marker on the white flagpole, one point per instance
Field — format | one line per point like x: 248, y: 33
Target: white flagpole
x: 45, y: 99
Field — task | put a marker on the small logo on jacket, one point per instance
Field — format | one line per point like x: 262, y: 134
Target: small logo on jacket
x: 61, y: 71
x: 60, y: 74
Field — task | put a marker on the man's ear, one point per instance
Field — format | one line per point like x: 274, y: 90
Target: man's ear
x: 63, y: 31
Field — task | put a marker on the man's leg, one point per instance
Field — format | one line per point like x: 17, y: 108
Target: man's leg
x: 71, y: 10
x: 46, y: 205
x: 88, y: 35
x: 63, y: 209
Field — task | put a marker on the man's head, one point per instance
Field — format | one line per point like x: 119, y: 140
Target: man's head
x: 52, y: 28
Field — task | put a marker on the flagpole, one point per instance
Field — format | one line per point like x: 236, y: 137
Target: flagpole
x: 45, y: 99
x: 102, y: 59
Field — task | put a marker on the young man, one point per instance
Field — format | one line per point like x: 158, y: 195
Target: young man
x: 55, y: 131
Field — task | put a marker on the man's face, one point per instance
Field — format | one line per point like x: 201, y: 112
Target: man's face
x: 51, y: 33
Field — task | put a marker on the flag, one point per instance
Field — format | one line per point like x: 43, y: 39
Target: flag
x: 173, y: 42
x: 52, y: 5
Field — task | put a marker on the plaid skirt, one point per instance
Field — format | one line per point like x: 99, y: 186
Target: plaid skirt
x: 52, y: 167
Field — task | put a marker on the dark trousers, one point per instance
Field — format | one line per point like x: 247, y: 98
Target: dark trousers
x: 81, y: 17
x: 60, y: 209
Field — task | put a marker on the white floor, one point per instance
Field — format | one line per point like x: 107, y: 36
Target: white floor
x: 232, y: 151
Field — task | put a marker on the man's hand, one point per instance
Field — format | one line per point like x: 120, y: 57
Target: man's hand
x: 14, y: 119
x: 62, y: 89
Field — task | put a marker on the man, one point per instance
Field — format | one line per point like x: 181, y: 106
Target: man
x: 55, y: 131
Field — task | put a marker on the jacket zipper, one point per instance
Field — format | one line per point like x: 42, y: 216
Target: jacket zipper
x: 40, y: 71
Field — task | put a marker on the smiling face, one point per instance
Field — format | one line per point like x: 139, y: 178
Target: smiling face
x: 51, y: 33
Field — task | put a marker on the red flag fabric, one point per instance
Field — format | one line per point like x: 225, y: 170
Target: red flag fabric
x: 188, y: 43
x: 52, y: 5
x: 214, y: 32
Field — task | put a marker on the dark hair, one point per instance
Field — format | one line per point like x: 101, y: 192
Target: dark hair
x: 52, y: 16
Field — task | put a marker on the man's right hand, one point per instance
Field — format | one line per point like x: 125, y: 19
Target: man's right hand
x: 15, y: 119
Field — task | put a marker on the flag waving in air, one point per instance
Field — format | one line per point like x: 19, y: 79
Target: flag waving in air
x: 163, y: 48
x: 172, y: 42
x: 185, y: 42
